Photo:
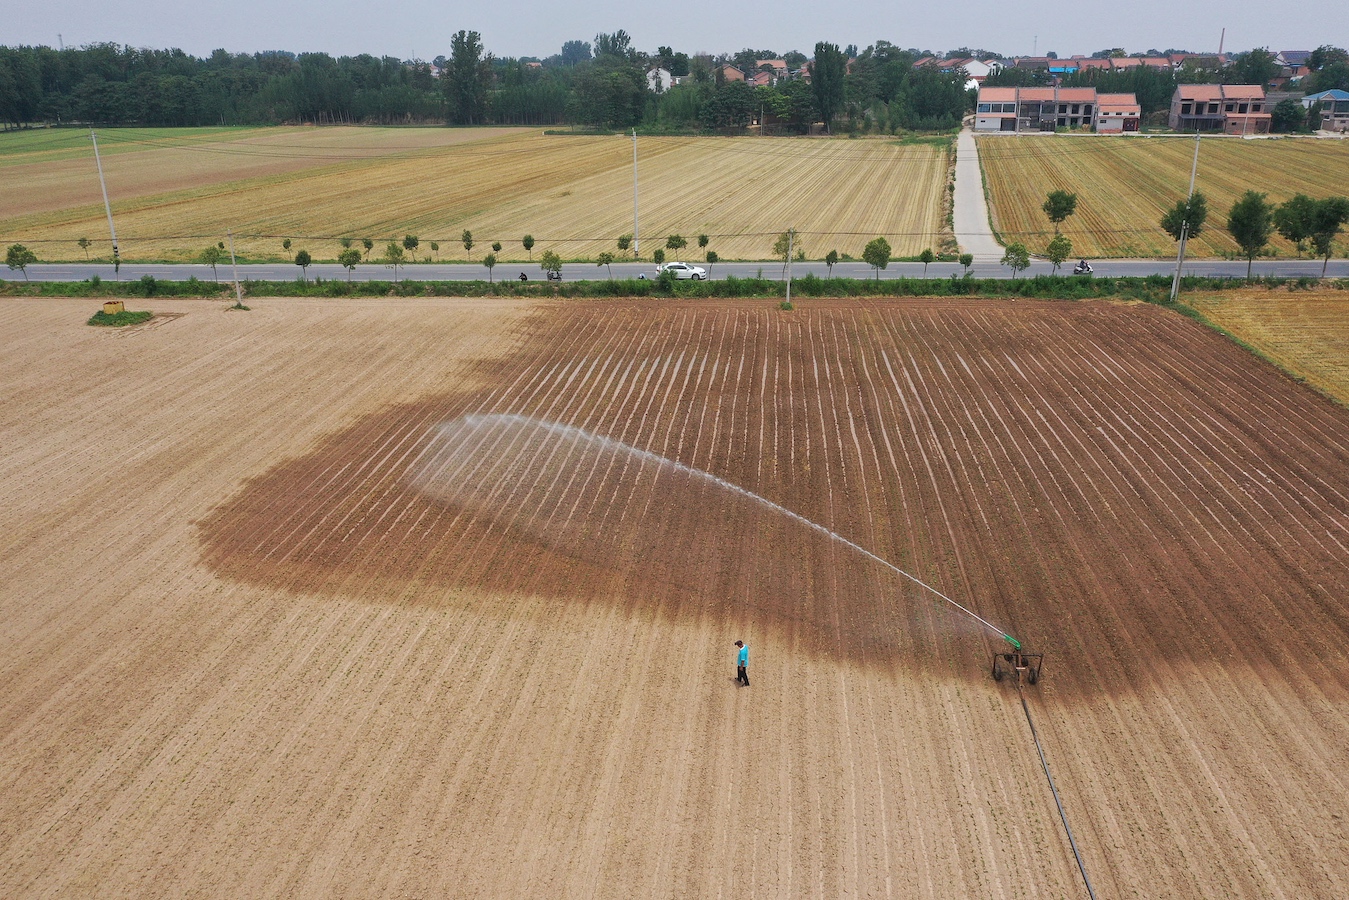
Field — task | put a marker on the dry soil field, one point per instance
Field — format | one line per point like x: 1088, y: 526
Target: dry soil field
x: 175, y: 192
x: 305, y: 602
x: 1124, y: 185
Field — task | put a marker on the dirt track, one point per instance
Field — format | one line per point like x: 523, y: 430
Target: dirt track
x: 245, y: 655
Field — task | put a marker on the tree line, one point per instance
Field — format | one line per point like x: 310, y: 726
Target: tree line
x: 600, y: 84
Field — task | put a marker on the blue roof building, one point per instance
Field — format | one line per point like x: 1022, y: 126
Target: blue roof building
x: 1334, y: 109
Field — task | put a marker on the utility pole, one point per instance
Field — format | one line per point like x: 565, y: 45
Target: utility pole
x: 238, y: 289
x: 1185, y: 225
x: 116, y: 259
x: 636, y: 234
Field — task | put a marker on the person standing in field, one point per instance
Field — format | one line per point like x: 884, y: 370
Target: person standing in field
x: 742, y: 663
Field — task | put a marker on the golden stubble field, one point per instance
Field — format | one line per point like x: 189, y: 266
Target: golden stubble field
x: 1124, y: 185
x: 175, y: 193
x: 1306, y: 333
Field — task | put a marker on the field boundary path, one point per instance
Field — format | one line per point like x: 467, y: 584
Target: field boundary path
x: 971, y: 208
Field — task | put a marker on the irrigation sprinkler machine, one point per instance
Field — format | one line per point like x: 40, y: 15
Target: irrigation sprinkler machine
x: 459, y: 446
x: 1017, y: 661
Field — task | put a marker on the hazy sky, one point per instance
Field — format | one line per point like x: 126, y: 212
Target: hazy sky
x: 422, y: 29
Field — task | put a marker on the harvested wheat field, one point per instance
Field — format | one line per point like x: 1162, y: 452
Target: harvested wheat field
x: 1305, y: 333
x: 1124, y: 185
x: 437, y: 598
x: 173, y: 195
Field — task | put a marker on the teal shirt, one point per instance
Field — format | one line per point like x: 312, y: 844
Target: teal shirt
x: 743, y: 659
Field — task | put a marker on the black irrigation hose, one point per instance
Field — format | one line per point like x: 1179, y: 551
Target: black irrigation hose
x: 1050, y: 778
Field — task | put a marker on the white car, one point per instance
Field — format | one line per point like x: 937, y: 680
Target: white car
x: 683, y: 270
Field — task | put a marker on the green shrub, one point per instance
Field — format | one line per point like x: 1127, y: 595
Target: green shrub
x: 121, y: 319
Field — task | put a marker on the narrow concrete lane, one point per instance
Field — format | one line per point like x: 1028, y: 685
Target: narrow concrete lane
x: 971, y: 210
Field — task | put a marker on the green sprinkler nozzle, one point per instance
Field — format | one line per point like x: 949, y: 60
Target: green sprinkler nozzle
x: 1016, y: 645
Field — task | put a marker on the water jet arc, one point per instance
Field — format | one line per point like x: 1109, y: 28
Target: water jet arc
x: 487, y: 462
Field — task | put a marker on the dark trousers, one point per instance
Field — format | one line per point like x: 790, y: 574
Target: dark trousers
x: 741, y: 676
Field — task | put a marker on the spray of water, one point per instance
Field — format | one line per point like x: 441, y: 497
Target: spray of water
x: 553, y: 480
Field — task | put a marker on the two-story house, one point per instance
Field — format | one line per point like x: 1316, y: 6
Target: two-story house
x: 1228, y: 108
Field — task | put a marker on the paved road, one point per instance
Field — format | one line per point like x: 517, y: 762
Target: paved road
x: 973, y: 232
x: 1339, y: 268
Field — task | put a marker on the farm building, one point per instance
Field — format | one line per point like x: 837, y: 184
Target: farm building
x: 1034, y: 109
x: 1334, y: 109
x: 659, y: 80
x: 1117, y: 113
x: 996, y: 109
x: 975, y: 69
x: 1229, y: 108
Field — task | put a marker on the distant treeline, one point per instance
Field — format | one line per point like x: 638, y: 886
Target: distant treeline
x: 607, y: 87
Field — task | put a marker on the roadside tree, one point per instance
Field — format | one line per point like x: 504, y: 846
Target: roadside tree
x: 712, y: 260
x: 85, y: 244
x: 877, y: 255
x: 926, y: 257
x: 304, y: 261
x: 368, y: 245
x: 528, y: 243
x: 20, y: 257
x: 676, y: 242
x: 1191, y: 213
x: 490, y: 261
x: 1251, y: 224
x: 467, y: 240
x: 606, y: 259
x: 783, y: 248
x: 349, y: 258
x: 410, y: 244
x: 393, y: 258
x: 212, y: 256
x: 1331, y: 214
x: 967, y: 260
x: 1295, y: 218
x: 831, y: 260
x: 659, y: 256
x: 1016, y: 257
x: 1059, y: 249
x: 550, y: 263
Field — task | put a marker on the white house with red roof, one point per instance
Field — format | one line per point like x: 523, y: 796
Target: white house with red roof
x: 1040, y: 109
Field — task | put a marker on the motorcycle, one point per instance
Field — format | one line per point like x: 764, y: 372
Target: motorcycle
x: 554, y: 276
x: 1082, y: 268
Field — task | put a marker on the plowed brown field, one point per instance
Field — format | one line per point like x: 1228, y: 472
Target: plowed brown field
x: 253, y: 646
